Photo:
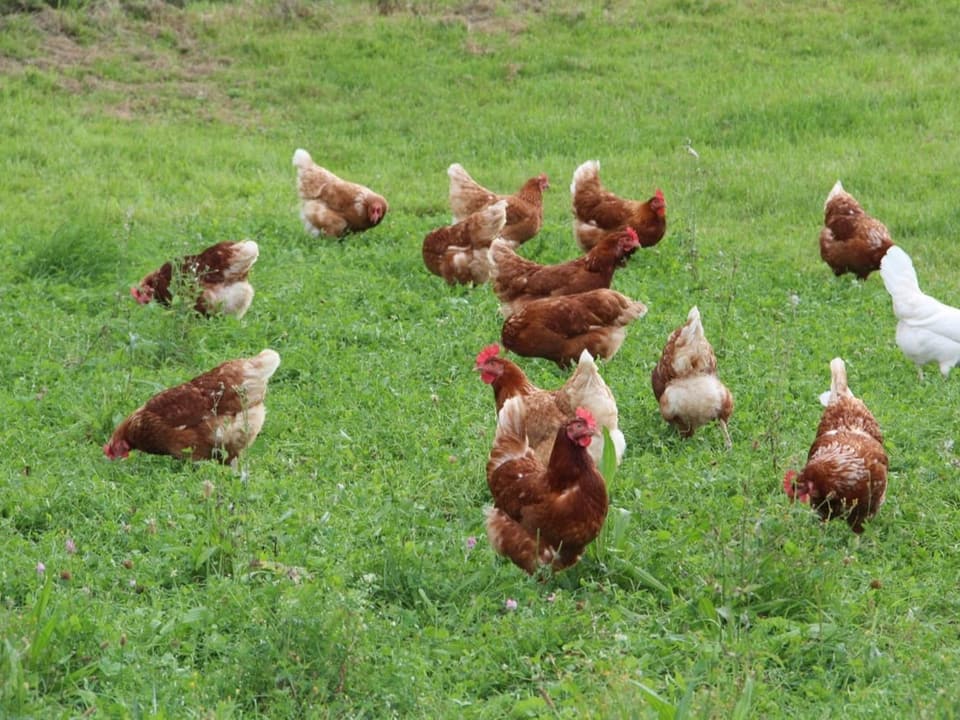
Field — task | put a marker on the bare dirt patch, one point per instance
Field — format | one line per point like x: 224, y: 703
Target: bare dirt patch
x: 132, y: 66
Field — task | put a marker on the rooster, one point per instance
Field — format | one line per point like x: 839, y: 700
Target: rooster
x: 517, y: 280
x: 851, y: 240
x: 545, y: 411
x: 460, y: 253
x: 543, y: 513
x: 217, y: 276
x: 595, y: 209
x: 214, y: 416
x: 333, y: 206
x: 560, y: 328
x: 524, y: 207
x: 927, y: 330
x: 685, y: 381
x: 846, y: 470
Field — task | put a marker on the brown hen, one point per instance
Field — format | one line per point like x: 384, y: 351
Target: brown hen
x: 685, y: 381
x: 846, y: 471
x: 459, y: 253
x: 851, y: 240
x: 516, y: 280
x: 524, y: 207
x: 331, y: 205
x: 217, y: 277
x: 545, y: 411
x: 216, y: 415
x: 596, y: 209
x: 560, y: 328
x: 543, y: 514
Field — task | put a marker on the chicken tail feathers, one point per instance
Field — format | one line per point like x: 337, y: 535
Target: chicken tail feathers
x: 466, y: 194
x: 693, y: 329
x: 838, y: 383
x: 586, y: 379
x: 458, y: 174
x: 587, y: 388
x: 262, y: 367
x: 586, y: 173
x: 835, y: 191
x: 461, y: 183
x: 898, y: 273
x: 499, y: 249
x: 302, y: 159
x: 492, y: 219
x: 510, y: 419
x: 244, y: 255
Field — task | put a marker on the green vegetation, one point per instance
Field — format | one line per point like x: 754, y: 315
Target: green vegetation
x: 330, y: 575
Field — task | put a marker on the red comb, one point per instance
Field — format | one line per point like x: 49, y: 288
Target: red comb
x: 139, y: 295
x: 584, y: 414
x: 490, y: 351
x: 632, y: 234
x: 788, y: 487
x: 659, y: 194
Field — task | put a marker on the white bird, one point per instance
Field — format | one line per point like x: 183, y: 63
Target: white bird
x: 927, y: 330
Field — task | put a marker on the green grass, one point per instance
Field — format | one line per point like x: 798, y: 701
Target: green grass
x: 330, y: 576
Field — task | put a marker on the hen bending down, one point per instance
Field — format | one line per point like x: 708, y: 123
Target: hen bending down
x: 851, y: 240
x: 217, y: 277
x: 216, y: 415
x: 545, y: 411
x: 560, y: 328
x: 331, y: 205
x: 596, y: 210
x: 516, y: 280
x: 543, y: 514
x: 524, y: 207
x: 846, y: 470
x: 459, y: 253
x: 927, y: 330
x: 685, y: 381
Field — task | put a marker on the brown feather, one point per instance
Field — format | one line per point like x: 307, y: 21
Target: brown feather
x: 596, y: 210
x: 209, y: 275
x: 560, y: 328
x: 846, y: 471
x: 546, y: 411
x: 685, y: 381
x: 524, y: 207
x: 543, y: 513
x: 516, y: 280
x: 459, y: 253
x: 334, y: 206
x: 851, y: 240
x: 216, y: 415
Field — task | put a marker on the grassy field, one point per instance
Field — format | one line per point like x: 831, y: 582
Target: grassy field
x: 331, y: 575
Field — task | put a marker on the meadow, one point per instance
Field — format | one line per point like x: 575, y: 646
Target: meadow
x: 332, y: 574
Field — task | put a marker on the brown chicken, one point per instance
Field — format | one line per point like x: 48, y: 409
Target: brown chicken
x: 524, y: 207
x: 333, y: 206
x: 217, y: 277
x: 595, y: 209
x: 460, y: 253
x: 543, y: 514
x: 214, y: 416
x: 851, y: 240
x: 516, y: 280
x: 846, y: 471
x: 545, y: 411
x: 685, y: 381
x: 560, y: 328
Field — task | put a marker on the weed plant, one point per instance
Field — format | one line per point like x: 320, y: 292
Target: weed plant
x: 342, y: 569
